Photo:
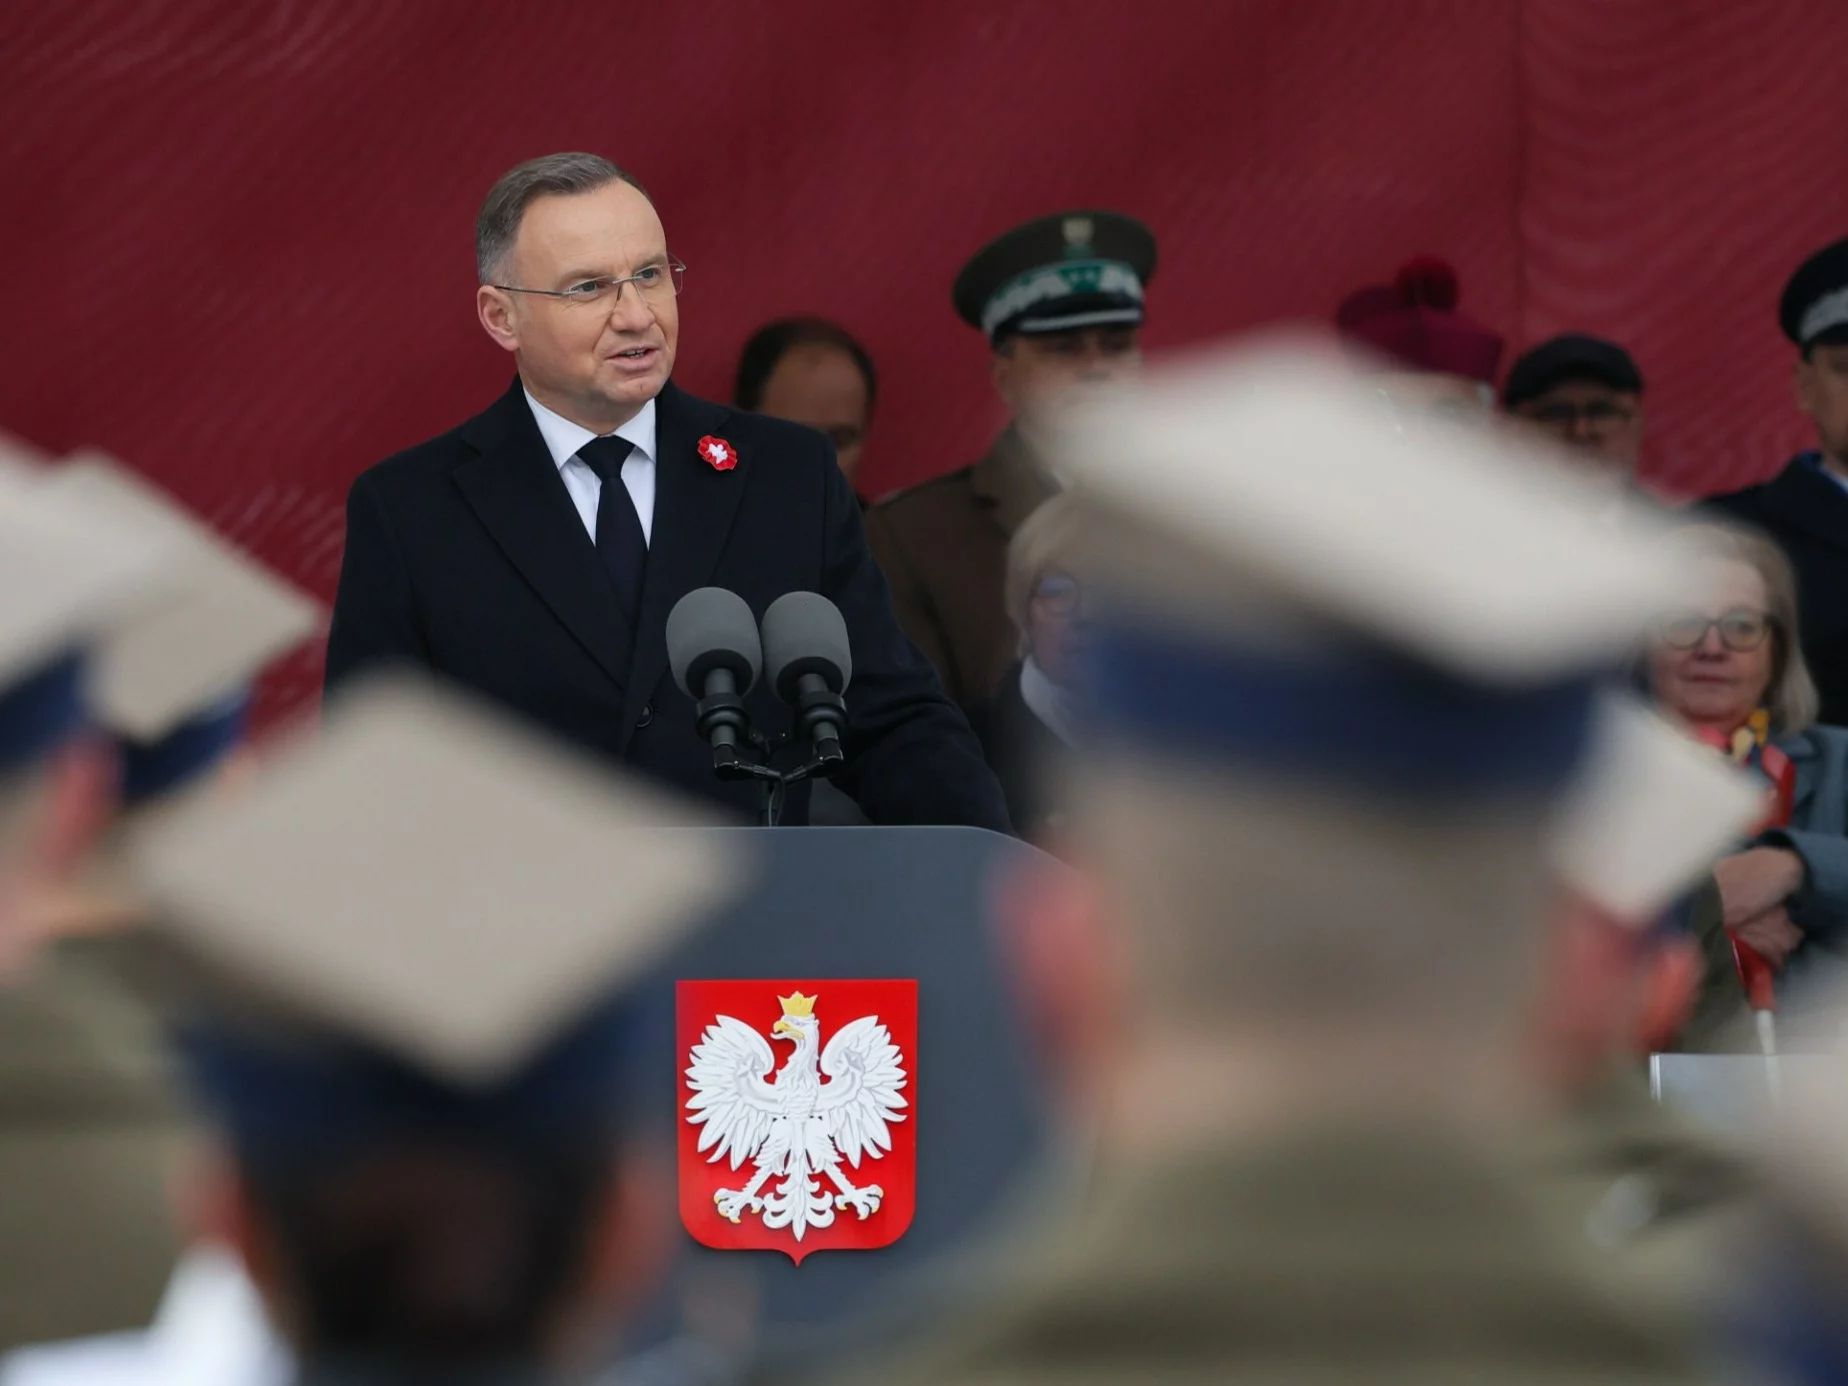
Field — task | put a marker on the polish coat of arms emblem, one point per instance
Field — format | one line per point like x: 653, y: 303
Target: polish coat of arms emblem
x: 797, y: 1126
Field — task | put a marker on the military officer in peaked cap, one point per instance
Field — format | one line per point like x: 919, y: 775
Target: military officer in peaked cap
x: 1805, y: 506
x: 1060, y: 301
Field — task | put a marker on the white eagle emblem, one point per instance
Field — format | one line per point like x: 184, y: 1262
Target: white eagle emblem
x: 801, y: 1124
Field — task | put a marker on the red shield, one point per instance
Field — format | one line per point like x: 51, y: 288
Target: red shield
x: 797, y: 1113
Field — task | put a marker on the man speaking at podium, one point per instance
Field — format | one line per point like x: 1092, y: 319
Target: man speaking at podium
x: 534, y: 553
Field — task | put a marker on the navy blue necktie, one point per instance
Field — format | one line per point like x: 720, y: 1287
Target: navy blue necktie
x: 620, y: 541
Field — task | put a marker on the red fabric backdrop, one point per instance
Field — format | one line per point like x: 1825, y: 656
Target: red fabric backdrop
x: 237, y: 241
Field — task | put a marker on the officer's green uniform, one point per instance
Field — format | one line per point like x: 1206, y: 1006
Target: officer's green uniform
x: 1333, y: 1254
x: 1654, y: 1201
x: 943, y: 548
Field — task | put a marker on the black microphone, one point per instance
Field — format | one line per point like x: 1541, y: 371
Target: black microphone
x: 714, y: 651
x: 810, y: 663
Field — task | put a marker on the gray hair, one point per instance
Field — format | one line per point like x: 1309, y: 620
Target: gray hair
x: 1792, y: 699
x: 553, y: 175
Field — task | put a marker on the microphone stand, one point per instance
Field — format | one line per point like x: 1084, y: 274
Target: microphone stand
x: 726, y: 709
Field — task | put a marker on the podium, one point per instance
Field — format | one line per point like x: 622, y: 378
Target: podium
x: 1732, y: 1094
x: 868, y: 902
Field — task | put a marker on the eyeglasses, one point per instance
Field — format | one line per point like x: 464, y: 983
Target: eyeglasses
x: 1741, y: 629
x: 1597, y: 415
x: 1060, y: 592
x: 652, y: 282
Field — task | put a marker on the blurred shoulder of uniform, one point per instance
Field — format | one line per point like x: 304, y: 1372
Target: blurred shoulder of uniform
x: 945, y: 492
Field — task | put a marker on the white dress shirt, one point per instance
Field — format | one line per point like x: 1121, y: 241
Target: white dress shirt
x: 210, y: 1330
x: 1047, y: 701
x: 563, y: 439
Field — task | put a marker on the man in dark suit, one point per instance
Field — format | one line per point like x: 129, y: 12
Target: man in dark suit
x: 534, y: 553
x: 1805, y: 506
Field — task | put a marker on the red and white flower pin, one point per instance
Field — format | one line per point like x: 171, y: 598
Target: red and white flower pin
x: 719, y: 453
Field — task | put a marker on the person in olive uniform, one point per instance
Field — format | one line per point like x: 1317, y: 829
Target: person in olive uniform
x: 425, y: 1165
x: 1285, y: 986
x: 94, y: 1127
x: 1060, y: 301
x: 76, y: 1108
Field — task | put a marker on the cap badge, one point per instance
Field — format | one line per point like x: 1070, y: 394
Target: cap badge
x: 1078, y: 234
x: 718, y: 453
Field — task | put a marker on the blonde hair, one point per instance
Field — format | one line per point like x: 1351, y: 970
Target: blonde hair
x: 1047, y: 539
x: 1791, y: 699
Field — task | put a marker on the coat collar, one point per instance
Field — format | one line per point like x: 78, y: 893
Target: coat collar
x: 1805, y: 498
x: 514, y: 488
x: 1803, y: 750
x: 1011, y: 480
x: 1801, y: 746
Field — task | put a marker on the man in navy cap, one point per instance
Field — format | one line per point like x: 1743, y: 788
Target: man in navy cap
x: 1805, y: 506
x: 1585, y: 392
x: 1060, y: 301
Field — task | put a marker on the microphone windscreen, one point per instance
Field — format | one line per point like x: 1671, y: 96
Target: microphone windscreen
x: 804, y: 633
x: 711, y: 628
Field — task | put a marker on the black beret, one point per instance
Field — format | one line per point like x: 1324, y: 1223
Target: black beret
x: 1573, y: 356
x: 1058, y: 274
x: 1815, y: 302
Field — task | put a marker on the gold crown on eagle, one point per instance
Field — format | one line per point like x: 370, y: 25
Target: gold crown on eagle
x: 798, y: 1004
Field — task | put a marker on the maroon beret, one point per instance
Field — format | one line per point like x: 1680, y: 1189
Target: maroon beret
x: 1414, y: 322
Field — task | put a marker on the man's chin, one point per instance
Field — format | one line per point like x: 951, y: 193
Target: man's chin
x: 633, y: 390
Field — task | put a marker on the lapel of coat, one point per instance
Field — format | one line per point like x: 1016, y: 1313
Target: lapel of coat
x: 1011, y: 481
x: 1805, y: 756
x: 694, y: 507
x: 514, y: 487
x: 1804, y: 498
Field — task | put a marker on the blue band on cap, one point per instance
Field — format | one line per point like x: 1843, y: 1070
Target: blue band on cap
x: 41, y: 712
x: 326, y: 1094
x: 1370, y: 718
x: 156, y: 767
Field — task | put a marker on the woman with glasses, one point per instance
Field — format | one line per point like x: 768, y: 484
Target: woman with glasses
x: 1026, y: 726
x: 1729, y: 670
